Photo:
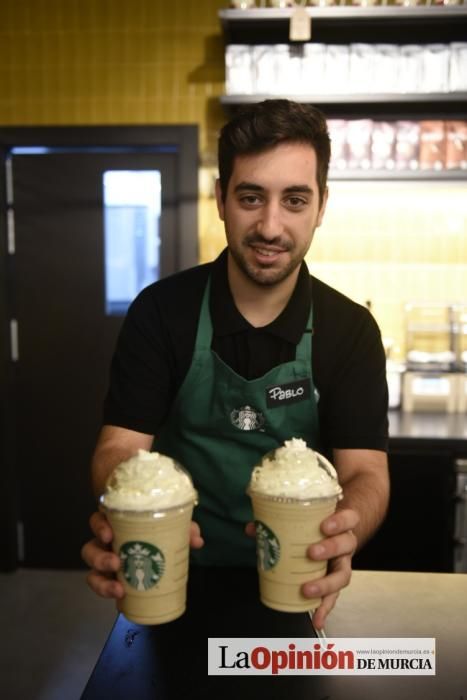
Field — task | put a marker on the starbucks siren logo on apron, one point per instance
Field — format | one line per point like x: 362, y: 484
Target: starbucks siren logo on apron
x: 247, y: 418
x: 143, y: 564
x: 268, y: 549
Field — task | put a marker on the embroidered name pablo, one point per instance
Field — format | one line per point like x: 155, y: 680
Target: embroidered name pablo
x: 281, y: 394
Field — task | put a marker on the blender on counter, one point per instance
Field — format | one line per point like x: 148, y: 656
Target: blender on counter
x: 431, y: 380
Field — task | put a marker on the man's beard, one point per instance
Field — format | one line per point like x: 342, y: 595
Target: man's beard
x: 265, y: 276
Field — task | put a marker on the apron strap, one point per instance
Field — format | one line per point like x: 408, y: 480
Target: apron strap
x: 204, y: 332
x: 303, y: 352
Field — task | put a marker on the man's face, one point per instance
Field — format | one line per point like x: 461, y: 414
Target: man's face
x: 271, y: 211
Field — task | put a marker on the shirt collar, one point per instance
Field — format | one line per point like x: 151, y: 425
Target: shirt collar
x: 227, y: 320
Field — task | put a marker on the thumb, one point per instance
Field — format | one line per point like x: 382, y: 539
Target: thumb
x: 196, y: 540
x: 250, y: 529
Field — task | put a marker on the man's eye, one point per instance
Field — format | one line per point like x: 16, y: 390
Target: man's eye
x: 295, y: 202
x: 250, y: 199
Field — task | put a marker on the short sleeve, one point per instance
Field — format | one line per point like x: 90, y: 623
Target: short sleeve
x: 354, y: 408
x: 141, y: 373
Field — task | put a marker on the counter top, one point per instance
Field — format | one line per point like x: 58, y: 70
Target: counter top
x: 136, y: 659
x: 441, y: 427
x: 405, y: 604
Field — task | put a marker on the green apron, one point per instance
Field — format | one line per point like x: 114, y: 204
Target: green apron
x: 219, y: 427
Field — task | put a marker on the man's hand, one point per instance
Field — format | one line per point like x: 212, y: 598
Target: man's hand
x: 337, y: 548
x: 104, y: 563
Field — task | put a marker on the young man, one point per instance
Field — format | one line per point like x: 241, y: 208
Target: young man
x: 200, y: 352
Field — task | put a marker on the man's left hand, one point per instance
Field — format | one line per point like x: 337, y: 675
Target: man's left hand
x: 337, y: 548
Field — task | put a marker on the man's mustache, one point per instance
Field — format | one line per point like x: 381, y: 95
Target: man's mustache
x: 254, y: 238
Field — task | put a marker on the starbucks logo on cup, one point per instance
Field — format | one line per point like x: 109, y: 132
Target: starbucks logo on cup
x: 143, y: 564
x: 268, y: 549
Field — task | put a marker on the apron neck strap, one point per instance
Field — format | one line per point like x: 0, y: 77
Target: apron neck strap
x: 204, y: 333
x: 304, y: 347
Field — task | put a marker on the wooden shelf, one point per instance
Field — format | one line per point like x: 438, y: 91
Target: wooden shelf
x: 417, y: 106
x: 397, y: 175
x: 419, y: 23
x: 345, y: 12
x: 345, y: 24
x: 352, y: 98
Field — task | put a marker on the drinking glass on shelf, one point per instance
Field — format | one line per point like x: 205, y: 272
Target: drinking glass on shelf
x: 242, y: 4
x: 365, y: 3
x: 408, y: 3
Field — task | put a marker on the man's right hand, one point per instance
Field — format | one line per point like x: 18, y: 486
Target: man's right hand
x: 104, y: 563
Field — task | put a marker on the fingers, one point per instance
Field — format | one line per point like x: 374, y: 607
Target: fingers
x: 337, y: 548
x: 328, y: 588
x: 321, y: 613
x: 250, y: 529
x: 340, y: 521
x: 101, y: 528
x: 100, y: 558
x: 338, y: 577
x: 102, y: 561
x: 332, y: 547
x: 104, y: 586
x: 104, y: 565
x: 196, y: 540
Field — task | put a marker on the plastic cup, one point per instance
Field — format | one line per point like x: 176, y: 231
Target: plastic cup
x: 153, y: 547
x: 285, y: 528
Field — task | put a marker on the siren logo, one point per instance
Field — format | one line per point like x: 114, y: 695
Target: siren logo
x: 143, y: 564
x: 247, y: 418
x: 268, y: 549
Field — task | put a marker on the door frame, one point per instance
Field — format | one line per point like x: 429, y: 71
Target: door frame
x: 185, y: 138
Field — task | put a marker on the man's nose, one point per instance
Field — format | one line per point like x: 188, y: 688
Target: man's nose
x: 270, y: 224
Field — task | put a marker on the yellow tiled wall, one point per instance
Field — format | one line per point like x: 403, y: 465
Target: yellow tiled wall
x: 394, y: 242
x: 78, y: 62
x: 112, y: 62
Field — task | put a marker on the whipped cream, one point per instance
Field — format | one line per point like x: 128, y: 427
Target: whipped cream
x: 148, y: 481
x: 295, y: 471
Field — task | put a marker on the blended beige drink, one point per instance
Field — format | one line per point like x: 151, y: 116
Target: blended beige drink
x: 149, y: 502
x: 293, y: 490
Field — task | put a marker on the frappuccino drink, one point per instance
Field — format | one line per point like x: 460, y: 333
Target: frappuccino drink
x: 149, y: 502
x: 293, y: 490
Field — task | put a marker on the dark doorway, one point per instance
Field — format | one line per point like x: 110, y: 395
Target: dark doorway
x: 64, y: 314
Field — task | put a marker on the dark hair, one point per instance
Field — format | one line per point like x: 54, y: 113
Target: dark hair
x: 266, y: 124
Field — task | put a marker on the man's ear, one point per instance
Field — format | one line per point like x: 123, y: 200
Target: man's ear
x: 322, y: 208
x: 219, y: 202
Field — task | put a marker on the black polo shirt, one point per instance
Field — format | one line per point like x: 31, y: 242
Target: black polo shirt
x: 156, y: 343
x: 251, y: 351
